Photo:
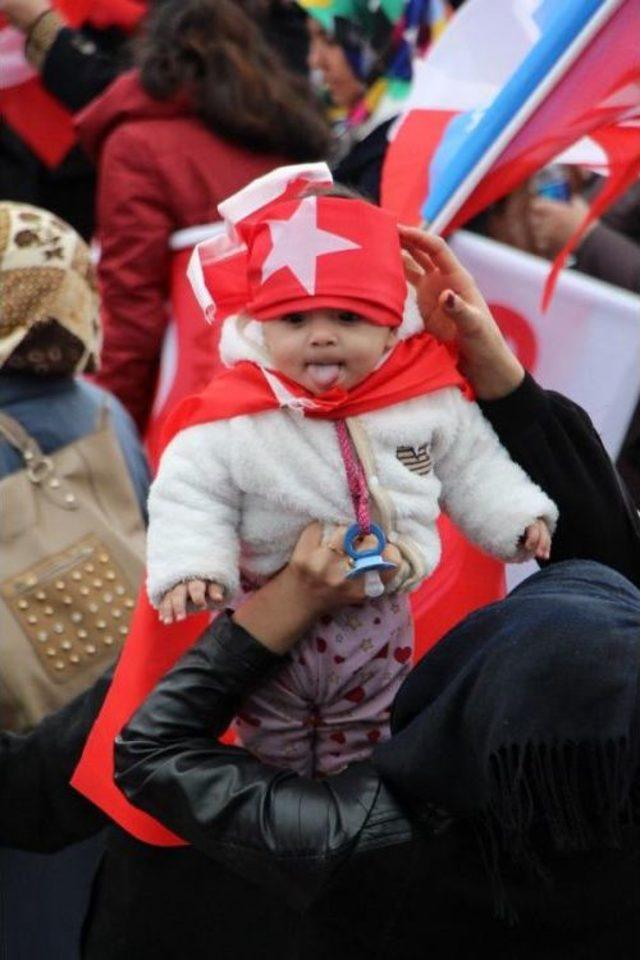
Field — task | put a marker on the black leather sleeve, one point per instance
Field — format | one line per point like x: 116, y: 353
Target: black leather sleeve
x: 76, y: 70
x: 270, y: 825
x: 554, y: 440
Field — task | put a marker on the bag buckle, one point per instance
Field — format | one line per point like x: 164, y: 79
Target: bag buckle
x: 39, y: 469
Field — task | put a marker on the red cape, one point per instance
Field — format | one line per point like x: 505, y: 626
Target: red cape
x: 416, y: 367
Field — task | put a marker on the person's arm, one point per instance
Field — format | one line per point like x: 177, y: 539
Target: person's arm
x: 194, y: 513
x: 39, y: 810
x: 554, y: 440
x: 486, y: 494
x: 71, y: 65
x: 270, y: 825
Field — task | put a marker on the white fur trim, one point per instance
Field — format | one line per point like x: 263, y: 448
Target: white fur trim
x: 242, y: 338
x: 412, y: 322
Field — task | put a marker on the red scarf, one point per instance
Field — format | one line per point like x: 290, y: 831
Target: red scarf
x: 416, y: 367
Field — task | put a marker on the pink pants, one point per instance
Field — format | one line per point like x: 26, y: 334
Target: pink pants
x: 329, y: 704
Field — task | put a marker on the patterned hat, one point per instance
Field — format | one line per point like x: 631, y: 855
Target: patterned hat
x: 48, y: 296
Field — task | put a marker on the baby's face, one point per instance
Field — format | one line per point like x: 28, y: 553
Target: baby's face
x: 321, y: 349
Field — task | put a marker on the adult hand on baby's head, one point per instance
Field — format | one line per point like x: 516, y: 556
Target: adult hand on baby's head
x: 453, y: 308
x: 435, y: 272
x: 201, y: 593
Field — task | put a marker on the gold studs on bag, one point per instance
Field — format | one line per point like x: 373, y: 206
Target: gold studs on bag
x: 68, y: 603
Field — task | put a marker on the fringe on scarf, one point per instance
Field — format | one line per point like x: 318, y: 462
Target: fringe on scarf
x: 560, y: 797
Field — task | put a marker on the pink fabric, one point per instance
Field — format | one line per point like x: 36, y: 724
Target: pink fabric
x: 329, y: 704
x: 355, y: 477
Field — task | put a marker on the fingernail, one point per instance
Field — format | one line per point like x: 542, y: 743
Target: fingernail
x: 450, y: 300
x: 180, y: 616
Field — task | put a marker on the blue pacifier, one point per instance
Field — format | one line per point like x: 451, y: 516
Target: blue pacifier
x: 369, y: 561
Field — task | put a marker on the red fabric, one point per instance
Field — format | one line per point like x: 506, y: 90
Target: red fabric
x: 102, y: 14
x: 405, y: 173
x: 40, y: 120
x: 368, y: 278
x: 584, y: 100
x: 416, y: 367
x: 160, y: 170
x: 622, y: 147
x: 190, y: 356
x: 464, y: 580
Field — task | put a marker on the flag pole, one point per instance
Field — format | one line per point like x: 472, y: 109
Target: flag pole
x: 475, y: 175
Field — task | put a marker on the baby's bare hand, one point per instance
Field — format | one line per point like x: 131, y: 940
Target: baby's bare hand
x: 537, y: 541
x: 201, y: 593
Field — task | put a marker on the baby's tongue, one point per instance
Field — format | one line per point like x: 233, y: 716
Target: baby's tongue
x: 323, y: 375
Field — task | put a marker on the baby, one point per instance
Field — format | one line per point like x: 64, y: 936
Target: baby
x: 338, y: 408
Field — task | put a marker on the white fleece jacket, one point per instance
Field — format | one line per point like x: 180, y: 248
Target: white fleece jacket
x: 238, y: 493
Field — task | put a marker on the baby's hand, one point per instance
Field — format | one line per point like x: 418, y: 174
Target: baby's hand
x: 201, y: 593
x: 536, y: 541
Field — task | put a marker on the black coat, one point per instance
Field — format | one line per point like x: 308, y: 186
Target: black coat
x: 361, y: 168
x: 157, y: 903
x: 77, y: 68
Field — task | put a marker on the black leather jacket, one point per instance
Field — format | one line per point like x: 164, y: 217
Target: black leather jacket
x: 283, y: 830
x: 271, y: 825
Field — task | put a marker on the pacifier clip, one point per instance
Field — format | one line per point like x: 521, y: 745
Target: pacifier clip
x: 369, y: 561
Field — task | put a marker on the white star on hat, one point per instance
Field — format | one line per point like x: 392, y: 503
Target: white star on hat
x: 298, y: 242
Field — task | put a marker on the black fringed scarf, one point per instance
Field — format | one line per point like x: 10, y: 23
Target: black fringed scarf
x: 525, y: 717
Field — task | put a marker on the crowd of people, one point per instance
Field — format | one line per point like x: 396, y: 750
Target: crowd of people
x: 484, y: 799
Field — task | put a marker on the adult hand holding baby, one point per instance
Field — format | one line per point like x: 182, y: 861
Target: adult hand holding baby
x: 453, y: 308
x: 319, y: 565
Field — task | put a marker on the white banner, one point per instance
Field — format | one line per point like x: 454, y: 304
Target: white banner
x: 586, y: 346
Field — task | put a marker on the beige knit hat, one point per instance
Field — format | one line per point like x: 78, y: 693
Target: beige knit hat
x: 48, y: 296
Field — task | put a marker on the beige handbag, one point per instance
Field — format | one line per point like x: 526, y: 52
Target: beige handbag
x: 71, y: 561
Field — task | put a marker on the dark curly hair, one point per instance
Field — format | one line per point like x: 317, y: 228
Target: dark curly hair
x: 214, y: 53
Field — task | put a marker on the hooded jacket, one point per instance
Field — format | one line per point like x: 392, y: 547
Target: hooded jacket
x: 160, y: 170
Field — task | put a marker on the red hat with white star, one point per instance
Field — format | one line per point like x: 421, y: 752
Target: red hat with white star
x: 283, y: 253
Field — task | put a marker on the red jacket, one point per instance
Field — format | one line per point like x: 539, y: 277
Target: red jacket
x: 160, y: 170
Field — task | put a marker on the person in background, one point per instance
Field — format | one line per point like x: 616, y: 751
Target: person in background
x: 540, y: 220
x: 610, y: 250
x: 75, y: 66
x: 50, y: 333
x: 363, y: 58
x: 209, y: 108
